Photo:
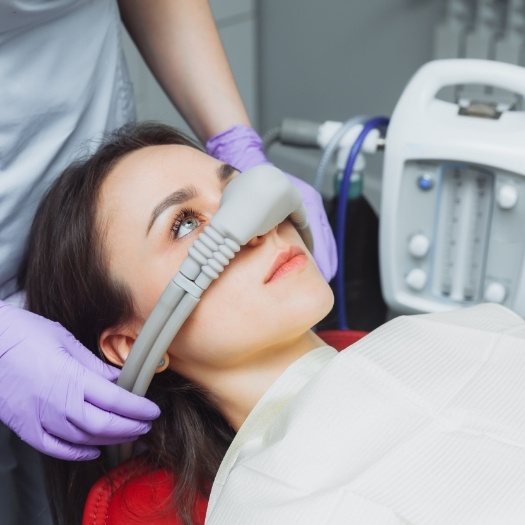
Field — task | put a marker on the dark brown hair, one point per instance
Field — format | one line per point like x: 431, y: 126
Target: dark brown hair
x: 66, y: 279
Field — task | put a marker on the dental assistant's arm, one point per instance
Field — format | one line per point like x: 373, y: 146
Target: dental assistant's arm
x: 181, y: 45
x: 57, y: 396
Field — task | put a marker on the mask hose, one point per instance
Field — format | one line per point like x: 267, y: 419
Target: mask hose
x: 252, y: 204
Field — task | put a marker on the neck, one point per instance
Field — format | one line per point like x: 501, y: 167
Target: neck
x: 237, y: 391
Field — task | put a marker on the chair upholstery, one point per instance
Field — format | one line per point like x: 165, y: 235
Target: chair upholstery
x: 132, y: 493
x: 341, y: 339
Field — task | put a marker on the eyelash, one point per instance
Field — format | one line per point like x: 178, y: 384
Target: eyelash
x: 183, y: 214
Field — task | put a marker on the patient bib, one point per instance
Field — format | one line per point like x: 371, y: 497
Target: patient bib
x: 422, y: 422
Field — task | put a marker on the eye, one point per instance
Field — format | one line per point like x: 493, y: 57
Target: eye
x: 185, y: 223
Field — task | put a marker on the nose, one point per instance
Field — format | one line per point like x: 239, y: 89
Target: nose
x: 259, y: 239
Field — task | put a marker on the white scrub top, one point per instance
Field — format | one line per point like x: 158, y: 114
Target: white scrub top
x: 63, y: 81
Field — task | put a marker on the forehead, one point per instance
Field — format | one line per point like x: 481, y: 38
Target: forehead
x: 140, y: 180
x: 175, y: 163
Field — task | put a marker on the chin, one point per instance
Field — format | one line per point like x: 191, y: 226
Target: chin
x: 312, y: 307
x: 327, y: 304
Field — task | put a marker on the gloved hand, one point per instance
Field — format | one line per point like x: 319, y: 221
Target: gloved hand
x: 57, y: 396
x: 242, y: 147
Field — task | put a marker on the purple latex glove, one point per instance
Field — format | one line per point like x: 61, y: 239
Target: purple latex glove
x: 242, y: 147
x: 57, y: 396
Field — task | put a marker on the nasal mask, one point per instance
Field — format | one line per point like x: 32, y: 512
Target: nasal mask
x: 252, y: 204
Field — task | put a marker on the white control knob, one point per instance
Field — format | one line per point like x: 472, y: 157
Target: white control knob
x: 495, y: 293
x: 418, y: 245
x: 416, y: 279
x: 507, y: 196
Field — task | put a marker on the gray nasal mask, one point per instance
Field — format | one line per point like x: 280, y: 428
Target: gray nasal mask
x: 252, y: 204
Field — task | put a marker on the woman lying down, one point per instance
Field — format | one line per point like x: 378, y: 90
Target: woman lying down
x: 421, y: 422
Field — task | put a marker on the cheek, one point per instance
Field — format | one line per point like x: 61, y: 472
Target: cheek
x: 215, y: 328
x: 150, y: 278
x: 234, y: 320
x: 146, y: 291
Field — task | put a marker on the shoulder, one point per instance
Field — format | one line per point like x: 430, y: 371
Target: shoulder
x: 134, y: 493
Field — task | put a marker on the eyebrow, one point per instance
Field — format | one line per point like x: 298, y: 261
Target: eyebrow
x: 224, y: 172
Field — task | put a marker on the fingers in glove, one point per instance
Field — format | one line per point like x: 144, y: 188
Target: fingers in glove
x: 112, y: 398
x: 53, y: 446
x: 93, y: 426
x: 88, y: 425
x: 86, y: 358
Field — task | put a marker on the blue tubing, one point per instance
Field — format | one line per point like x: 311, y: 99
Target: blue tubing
x: 340, y: 227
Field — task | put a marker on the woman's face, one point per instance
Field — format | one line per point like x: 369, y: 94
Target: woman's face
x: 151, y: 208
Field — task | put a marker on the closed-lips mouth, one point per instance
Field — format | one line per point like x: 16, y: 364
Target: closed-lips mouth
x: 283, y: 258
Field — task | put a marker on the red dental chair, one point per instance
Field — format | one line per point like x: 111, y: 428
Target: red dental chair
x: 133, y: 494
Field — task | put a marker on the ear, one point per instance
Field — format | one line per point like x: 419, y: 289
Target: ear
x: 116, y: 342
